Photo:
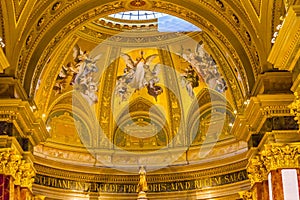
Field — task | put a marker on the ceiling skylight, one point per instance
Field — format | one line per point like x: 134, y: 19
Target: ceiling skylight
x: 165, y: 22
x: 137, y: 15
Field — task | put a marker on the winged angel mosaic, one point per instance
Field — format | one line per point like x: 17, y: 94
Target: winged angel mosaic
x: 137, y: 75
x: 202, y: 67
x: 79, y: 73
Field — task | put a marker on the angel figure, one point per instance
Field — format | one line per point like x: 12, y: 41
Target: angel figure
x: 84, y: 71
x: 139, y: 75
x: 79, y: 57
x: 122, y: 89
x: 206, y: 69
x: 189, y: 80
x: 61, y: 79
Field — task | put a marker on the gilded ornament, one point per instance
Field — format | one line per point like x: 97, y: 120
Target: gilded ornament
x: 257, y: 172
x: 246, y: 195
x: 278, y: 156
x: 142, y: 185
x: 10, y: 162
x: 28, y: 174
x: 56, y: 6
x: 220, y: 4
x: 295, y: 107
x: 13, y: 165
x: 138, y: 3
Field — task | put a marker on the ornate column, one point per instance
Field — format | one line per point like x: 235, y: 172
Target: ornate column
x: 277, y: 157
x: 20, y: 130
x: 258, y: 176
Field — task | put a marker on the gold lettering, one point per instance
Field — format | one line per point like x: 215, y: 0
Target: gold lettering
x: 113, y: 188
x: 164, y: 187
x: 217, y: 180
x: 131, y: 188
x: 106, y: 187
x: 126, y: 188
x: 198, y: 184
x: 241, y: 176
x: 187, y: 185
x: 181, y: 186
x: 232, y: 178
x: 156, y: 187
x: 52, y: 182
x: 174, y: 187
x: 101, y: 187
x: 226, y: 178
x: 208, y: 182
x: 66, y: 184
x: 78, y: 186
x: 97, y: 187
x: 59, y: 183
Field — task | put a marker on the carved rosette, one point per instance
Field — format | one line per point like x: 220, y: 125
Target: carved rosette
x: 276, y: 156
x: 295, y: 107
x: 12, y: 165
x: 257, y: 171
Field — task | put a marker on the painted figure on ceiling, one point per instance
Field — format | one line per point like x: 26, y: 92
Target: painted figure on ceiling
x: 138, y: 75
x: 202, y: 64
x: 79, y: 73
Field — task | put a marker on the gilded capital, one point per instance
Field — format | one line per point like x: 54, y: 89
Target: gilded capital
x: 10, y: 162
x: 277, y: 156
x: 257, y: 171
x: 27, y: 176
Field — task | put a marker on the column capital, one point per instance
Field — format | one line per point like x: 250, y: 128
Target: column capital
x: 279, y: 156
x: 257, y: 171
x: 9, y: 162
x: 12, y: 164
x: 25, y: 175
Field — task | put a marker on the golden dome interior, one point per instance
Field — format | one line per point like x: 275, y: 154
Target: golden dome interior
x: 165, y: 91
x: 196, y: 92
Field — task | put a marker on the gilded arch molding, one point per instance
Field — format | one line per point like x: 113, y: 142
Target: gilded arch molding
x: 65, y: 22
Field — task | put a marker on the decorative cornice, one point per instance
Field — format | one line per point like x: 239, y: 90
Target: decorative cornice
x: 257, y: 110
x: 20, y: 114
x: 285, y: 52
